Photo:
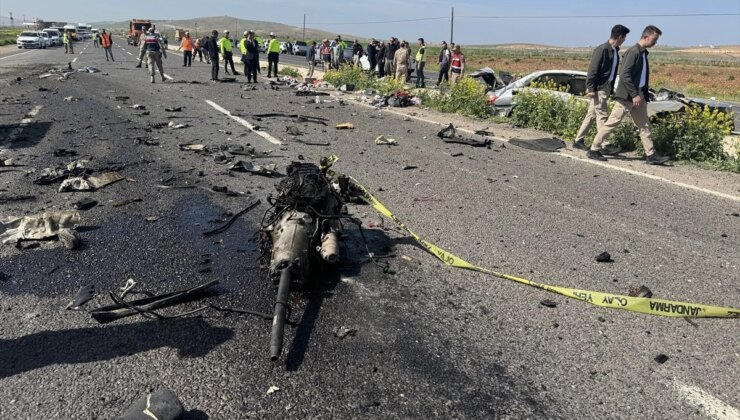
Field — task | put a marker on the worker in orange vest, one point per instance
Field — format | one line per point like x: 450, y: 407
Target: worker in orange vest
x: 107, y: 42
x: 186, y: 45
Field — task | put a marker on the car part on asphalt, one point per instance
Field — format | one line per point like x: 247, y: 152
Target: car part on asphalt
x: 382, y: 140
x: 224, y: 227
x: 449, y: 135
x: 5, y: 199
x: 41, y: 226
x: 300, y: 232
x: 539, y: 145
x: 84, y: 295
x: 90, y: 183
x: 162, y: 404
x: 69, y: 238
x: 345, y: 126
x: 604, y: 257
x: 146, y: 306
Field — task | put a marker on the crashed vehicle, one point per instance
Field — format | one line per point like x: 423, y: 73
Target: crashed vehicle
x: 573, y: 82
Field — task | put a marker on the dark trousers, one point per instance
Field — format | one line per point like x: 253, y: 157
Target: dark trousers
x: 420, y: 74
x: 229, y: 59
x: 108, y: 51
x: 444, y: 69
x: 250, y: 69
x: 373, y: 63
x: 214, y: 68
x: 381, y: 68
x: 199, y: 53
x: 187, y: 59
x: 272, y: 63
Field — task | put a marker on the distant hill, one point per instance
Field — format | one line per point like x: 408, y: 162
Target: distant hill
x: 234, y: 25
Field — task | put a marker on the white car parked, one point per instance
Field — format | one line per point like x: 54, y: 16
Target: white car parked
x: 54, y: 36
x: 32, y: 39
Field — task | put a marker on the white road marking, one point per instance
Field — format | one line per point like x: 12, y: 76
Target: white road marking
x: 16, y: 55
x: 75, y: 60
x: 167, y: 76
x: 700, y: 398
x: 245, y: 123
x: 127, y: 52
x: 591, y: 161
x: 654, y: 177
x: 27, y: 119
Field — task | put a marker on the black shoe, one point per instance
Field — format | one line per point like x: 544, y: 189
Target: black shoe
x: 138, y: 66
x: 580, y: 145
x: 610, y: 149
x: 656, y: 159
x: 595, y: 155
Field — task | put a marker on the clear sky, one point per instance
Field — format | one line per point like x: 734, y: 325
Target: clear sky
x: 476, y: 21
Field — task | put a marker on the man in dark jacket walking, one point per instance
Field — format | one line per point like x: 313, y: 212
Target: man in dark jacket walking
x: 213, y: 49
x: 600, y: 85
x: 632, y: 96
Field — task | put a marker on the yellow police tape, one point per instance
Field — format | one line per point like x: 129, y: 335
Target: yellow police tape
x: 650, y: 306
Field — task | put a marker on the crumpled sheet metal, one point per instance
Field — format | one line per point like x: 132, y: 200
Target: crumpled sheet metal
x: 41, y: 226
x: 90, y: 183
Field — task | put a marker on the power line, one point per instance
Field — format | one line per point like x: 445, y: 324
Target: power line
x: 599, y: 16
x: 378, y: 22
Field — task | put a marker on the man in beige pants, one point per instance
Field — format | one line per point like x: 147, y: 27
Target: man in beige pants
x: 600, y: 85
x: 154, y: 51
x: 632, y: 96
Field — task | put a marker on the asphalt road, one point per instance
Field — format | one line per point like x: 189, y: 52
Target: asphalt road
x: 431, y: 341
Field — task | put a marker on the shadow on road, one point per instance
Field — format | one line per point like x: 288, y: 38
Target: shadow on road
x: 354, y: 255
x: 84, y: 345
x: 31, y: 134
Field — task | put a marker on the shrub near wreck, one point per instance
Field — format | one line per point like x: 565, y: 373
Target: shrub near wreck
x: 348, y: 75
x: 466, y: 97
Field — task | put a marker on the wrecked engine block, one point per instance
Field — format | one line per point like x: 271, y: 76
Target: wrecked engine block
x: 301, y: 233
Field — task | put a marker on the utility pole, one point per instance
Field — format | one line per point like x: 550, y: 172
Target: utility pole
x: 304, y: 27
x: 452, y: 24
x: 11, y: 20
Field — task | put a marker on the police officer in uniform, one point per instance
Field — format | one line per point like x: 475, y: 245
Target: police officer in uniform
x: 154, y: 51
x: 227, y: 51
x: 273, y: 55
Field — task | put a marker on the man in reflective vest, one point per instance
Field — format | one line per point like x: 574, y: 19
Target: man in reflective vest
x: 250, y: 55
x: 107, y: 42
x: 227, y: 51
x: 186, y: 45
x: 154, y: 51
x: 421, y: 57
x: 273, y: 55
x: 67, y: 40
x: 95, y: 39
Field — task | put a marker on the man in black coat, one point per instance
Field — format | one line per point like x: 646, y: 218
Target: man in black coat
x: 213, y: 50
x: 602, y: 71
x: 632, y: 96
x: 371, y: 51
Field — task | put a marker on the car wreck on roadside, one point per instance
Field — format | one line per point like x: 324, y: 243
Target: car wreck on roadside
x: 572, y: 83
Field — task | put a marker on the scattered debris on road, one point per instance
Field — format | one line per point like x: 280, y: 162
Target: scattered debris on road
x: 37, y: 227
x: 345, y: 126
x: 549, y: 303
x: 661, y: 358
x: 604, y: 257
x: 162, y: 404
x: 342, y: 332
x: 382, y: 140
x: 84, y: 295
x: 90, y: 183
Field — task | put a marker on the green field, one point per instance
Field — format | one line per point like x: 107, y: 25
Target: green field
x: 8, y: 36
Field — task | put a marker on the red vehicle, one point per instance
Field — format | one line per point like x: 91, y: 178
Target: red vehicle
x: 136, y: 27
